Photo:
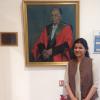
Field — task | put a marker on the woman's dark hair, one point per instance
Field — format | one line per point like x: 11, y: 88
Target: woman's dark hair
x: 84, y: 43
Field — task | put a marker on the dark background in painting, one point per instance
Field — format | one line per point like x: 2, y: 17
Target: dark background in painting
x: 40, y: 15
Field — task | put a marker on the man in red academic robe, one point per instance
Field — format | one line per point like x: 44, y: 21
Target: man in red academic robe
x: 55, y: 41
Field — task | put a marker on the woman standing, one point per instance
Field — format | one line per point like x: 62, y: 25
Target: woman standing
x: 81, y: 82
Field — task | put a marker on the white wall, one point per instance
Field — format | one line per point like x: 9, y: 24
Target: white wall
x: 17, y: 82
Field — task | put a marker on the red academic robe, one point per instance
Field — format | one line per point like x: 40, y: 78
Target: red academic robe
x: 62, y: 36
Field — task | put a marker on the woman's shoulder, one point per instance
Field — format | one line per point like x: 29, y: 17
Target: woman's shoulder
x: 72, y: 61
x: 84, y: 59
x: 87, y: 59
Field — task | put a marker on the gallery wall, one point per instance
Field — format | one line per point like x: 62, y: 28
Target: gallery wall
x: 19, y: 82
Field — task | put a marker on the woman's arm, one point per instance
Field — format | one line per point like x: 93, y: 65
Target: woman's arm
x: 93, y: 89
x: 67, y: 86
x: 70, y: 92
x: 91, y: 93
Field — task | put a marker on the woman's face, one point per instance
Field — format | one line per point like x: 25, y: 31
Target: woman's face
x: 79, y: 50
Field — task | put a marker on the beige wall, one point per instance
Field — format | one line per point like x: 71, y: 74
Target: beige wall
x: 17, y: 82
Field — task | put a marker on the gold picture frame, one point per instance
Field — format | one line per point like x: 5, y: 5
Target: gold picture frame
x: 36, y: 14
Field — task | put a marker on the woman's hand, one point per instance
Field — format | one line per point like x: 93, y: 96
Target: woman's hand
x: 74, y: 98
x: 86, y: 99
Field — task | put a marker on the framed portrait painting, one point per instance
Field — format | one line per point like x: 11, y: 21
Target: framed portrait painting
x: 49, y: 31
